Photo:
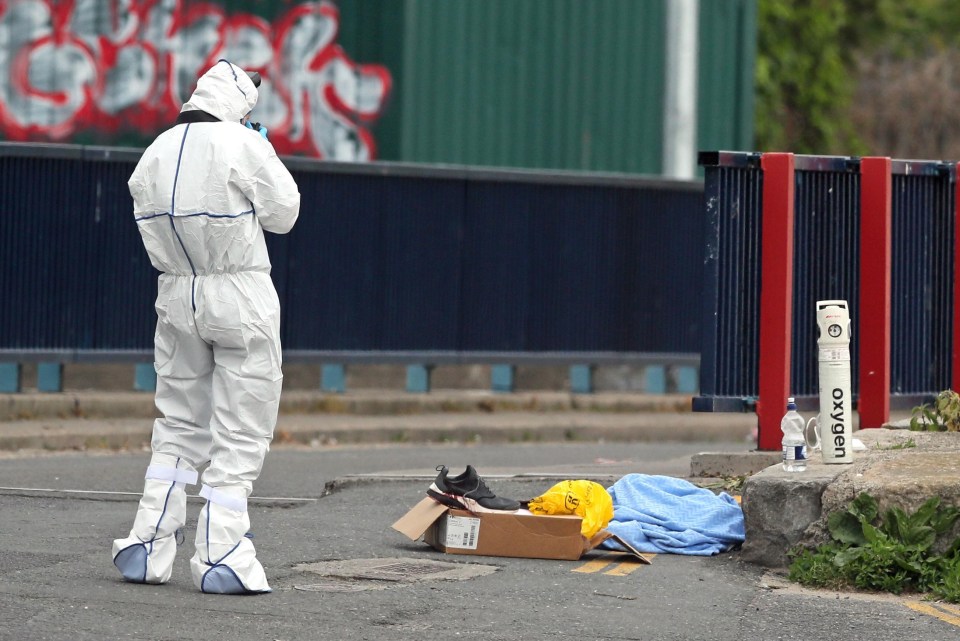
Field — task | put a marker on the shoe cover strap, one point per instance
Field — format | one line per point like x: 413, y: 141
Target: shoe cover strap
x: 164, y: 473
x: 238, y: 503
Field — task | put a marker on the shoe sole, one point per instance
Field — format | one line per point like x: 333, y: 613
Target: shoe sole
x: 460, y: 502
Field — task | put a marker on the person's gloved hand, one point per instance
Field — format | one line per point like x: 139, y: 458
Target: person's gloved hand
x: 256, y: 126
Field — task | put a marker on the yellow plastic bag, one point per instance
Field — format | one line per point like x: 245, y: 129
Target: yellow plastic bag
x: 586, y: 499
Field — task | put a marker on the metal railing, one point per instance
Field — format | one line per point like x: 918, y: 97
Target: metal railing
x: 388, y: 262
x: 836, y: 221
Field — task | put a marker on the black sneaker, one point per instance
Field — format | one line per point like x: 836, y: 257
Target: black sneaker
x: 468, y: 491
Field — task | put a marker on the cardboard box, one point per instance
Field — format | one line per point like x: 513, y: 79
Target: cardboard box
x: 512, y: 534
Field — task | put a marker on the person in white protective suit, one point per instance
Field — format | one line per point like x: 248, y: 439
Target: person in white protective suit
x: 203, y: 194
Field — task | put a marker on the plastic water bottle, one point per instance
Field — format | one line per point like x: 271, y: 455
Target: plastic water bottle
x: 794, y: 445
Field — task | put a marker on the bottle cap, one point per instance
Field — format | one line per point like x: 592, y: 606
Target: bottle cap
x: 791, y: 404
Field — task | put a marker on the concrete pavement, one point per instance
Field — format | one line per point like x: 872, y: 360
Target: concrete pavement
x: 781, y: 509
x: 57, y: 581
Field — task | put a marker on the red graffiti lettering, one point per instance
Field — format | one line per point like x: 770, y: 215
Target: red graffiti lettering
x: 69, y: 66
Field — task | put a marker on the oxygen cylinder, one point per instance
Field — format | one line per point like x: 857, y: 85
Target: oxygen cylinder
x: 836, y: 412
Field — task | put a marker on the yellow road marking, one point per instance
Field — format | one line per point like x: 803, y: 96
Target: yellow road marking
x: 623, y: 568
x: 949, y: 608
x: 934, y: 612
x: 596, y: 565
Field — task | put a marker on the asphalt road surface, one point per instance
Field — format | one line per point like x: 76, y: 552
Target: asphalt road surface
x: 60, y: 512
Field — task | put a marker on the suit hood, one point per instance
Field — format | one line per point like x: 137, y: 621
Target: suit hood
x: 225, y: 91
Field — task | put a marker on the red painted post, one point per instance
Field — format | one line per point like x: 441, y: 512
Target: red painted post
x: 776, y: 297
x: 875, y: 265
x: 956, y: 285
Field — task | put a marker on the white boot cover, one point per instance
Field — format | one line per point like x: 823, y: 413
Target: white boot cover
x: 146, y: 555
x: 226, y: 561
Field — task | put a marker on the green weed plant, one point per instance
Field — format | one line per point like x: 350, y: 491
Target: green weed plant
x: 943, y: 415
x: 729, y: 484
x: 892, y: 552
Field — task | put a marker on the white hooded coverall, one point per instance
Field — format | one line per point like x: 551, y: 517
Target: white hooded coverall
x: 203, y: 193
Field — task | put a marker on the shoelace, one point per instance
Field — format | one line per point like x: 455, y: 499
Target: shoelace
x: 480, y: 492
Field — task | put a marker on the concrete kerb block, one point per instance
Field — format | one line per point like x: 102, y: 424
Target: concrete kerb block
x: 899, y: 469
x: 783, y: 510
x: 778, y: 507
x: 731, y: 464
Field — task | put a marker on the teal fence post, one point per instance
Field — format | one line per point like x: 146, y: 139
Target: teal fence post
x: 50, y: 377
x: 501, y: 378
x: 333, y: 378
x: 581, y: 379
x: 9, y: 378
x: 685, y: 379
x: 655, y: 381
x: 145, y: 377
x: 418, y: 378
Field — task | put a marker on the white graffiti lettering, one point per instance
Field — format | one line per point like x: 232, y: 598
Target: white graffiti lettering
x: 68, y: 66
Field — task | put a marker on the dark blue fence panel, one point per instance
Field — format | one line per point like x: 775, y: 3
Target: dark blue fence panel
x: 37, y: 221
x: 420, y: 246
x: 330, y: 268
x: 733, y: 195
x: 384, y: 258
x: 592, y: 269
x: 921, y: 308
x: 495, y: 281
x: 372, y: 263
x: 661, y: 254
x: 826, y: 263
x: 73, y: 273
x: 566, y: 251
x: 826, y: 250
x: 126, y: 283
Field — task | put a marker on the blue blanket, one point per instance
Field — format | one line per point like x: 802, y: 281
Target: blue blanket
x: 662, y: 514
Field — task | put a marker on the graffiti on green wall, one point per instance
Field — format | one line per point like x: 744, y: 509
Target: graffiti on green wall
x: 71, y: 67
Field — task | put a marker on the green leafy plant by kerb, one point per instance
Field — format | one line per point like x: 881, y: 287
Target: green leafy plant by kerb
x: 888, y: 553
x: 943, y: 415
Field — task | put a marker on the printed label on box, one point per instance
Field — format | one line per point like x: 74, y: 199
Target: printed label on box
x: 461, y: 532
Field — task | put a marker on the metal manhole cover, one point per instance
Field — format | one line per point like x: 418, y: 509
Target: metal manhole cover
x: 397, y: 570
x: 403, y: 569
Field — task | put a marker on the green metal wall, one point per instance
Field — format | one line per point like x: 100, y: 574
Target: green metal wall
x: 728, y: 49
x: 372, y: 31
x: 553, y: 84
x: 563, y: 84
x: 559, y: 84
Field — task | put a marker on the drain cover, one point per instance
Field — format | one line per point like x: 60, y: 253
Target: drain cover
x: 398, y: 570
